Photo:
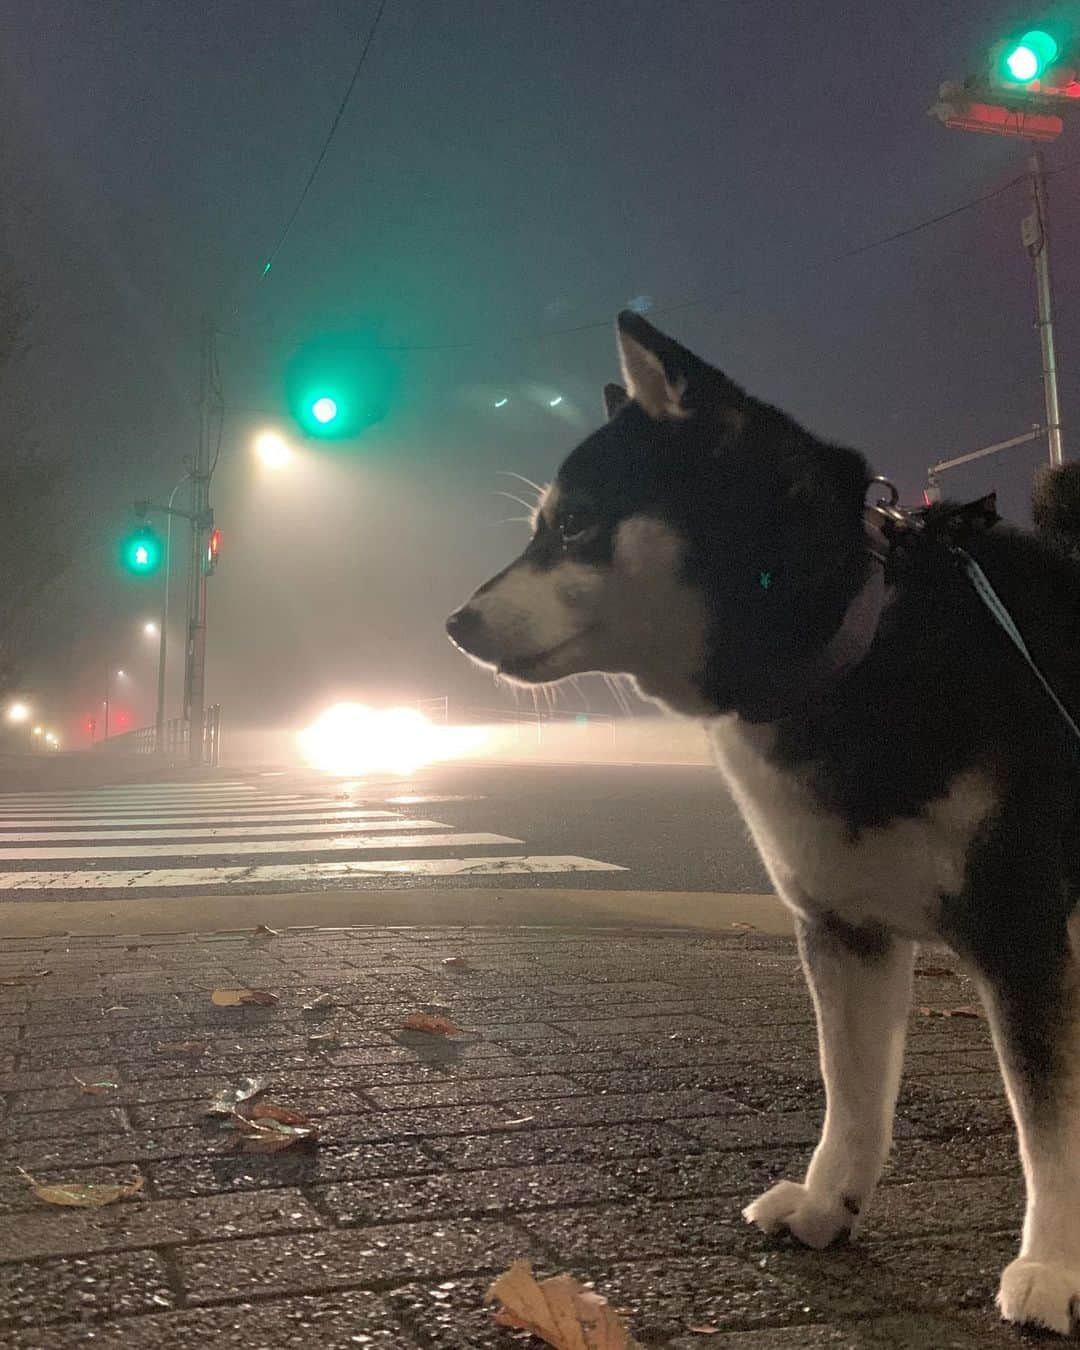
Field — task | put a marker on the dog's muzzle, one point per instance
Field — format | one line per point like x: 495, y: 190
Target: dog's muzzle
x: 468, y: 631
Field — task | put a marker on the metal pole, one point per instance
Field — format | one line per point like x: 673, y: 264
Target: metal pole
x: 195, y: 670
x: 108, y: 675
x: 1037, y: 238
x: 163, y: 641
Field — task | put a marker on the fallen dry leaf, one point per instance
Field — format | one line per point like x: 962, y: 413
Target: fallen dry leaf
x: 268, y: 1128
x: 961, y: 1010
x: 95, y: 1089
x: 560, y: 1311
x: 455, y: 962
x: 23, y: 979
x: 320, y: 1004
x: 521, y: 1120
x: 263, y: 931
x: 183, y: 1047
x: 704, y: 1331
x: 323, y: 1040
x: 228, y: 1099
x: 230, y: 998
x: 85, y: 1195
x: 430, y: 1022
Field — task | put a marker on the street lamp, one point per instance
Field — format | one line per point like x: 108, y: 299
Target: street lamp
x: 150, y: 629
x: 272, y: 449
x: 18, y: 712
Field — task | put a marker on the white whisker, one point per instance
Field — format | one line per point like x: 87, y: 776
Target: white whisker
x: 529, y: 506
x: 509, y: 473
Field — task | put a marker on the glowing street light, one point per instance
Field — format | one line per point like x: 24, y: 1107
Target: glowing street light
x: 37, y: 731
x: 501, y: 402
x: 150, y: 629
x: 272, y: 448
x: 554, y: 402
x: 18, y: 712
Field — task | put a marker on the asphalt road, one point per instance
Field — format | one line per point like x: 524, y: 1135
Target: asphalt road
x: 671, y: 828
x: 637, y: 828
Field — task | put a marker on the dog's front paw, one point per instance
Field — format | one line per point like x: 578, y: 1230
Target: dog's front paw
x: 815, y: 1220
x: 1039, y: 1293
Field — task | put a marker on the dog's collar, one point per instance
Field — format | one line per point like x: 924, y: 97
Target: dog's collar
x: 850, y: 644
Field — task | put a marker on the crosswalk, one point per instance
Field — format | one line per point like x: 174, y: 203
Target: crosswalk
x: 232, y: 834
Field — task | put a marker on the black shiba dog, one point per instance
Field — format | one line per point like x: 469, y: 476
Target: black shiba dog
x: 904, y: 774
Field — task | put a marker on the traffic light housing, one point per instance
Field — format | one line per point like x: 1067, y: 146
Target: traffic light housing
x: 213, y: 548
x: 1038, y: 67
x: 141, y: 552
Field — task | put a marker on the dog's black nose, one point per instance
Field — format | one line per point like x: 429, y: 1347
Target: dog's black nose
x: 468, y: 631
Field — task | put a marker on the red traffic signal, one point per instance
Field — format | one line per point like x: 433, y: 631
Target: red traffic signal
x: 213, y: 548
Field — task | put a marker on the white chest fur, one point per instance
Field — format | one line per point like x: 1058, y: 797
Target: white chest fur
x: 891, y: 875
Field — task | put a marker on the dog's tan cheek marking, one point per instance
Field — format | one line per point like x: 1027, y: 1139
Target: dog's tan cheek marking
x: 644, y: 546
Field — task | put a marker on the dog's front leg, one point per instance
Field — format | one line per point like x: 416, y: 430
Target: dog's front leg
x: 860, y: 980
x: 1032, y: 992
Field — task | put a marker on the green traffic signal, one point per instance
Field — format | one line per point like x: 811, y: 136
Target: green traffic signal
x: 1028, y: 58
x: 140, y: 552
x: 338, y: 385
x: 324, y: 410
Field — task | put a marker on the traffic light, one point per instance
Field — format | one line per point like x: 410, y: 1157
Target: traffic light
x: 338, y: 386
x: 213, y: 548
x: 141, y: 552
x: 1039, y: 65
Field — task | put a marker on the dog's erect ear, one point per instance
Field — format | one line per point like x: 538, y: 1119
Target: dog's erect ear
x: 615, y: 397
x: 665, y: 379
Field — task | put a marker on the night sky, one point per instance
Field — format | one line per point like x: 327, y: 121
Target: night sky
x: 505, y: 177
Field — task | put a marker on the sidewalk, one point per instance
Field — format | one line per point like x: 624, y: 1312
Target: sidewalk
x: 615, y: 1097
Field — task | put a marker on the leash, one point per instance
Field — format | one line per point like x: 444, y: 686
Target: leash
x: 896, y: 517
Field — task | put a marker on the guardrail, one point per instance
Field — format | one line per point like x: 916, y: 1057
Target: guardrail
x: 176, y: 739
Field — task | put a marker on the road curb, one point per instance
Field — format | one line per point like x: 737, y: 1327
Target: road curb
x: 708, y: 911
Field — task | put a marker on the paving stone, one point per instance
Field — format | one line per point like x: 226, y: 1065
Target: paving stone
x: 769, y: 1130
x: 661, y: 1299
x: 979, y: 1205
x: 133, y: 1223
x: 209, y: 1175
x: 887, y: 1333
x: 217, y: 1271
x: 342, y: 1321
x: 496, y: 1191
x: 527, y: 1147
x: 81, y: 1119
x: 591, y: 1237
x: 37, y: 1293
x: 478, y: 1089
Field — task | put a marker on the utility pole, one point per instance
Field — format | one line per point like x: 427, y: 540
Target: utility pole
x: 202, y: 521
x: 1035, y: 233
x: 1030, y: 87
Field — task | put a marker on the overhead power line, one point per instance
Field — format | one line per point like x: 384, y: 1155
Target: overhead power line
x: 717, y: 301
x: 327, y: 142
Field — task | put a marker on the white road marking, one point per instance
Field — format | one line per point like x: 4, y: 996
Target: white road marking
x: 196, y: 831
x: 324, y: 871
x: 205, y: 822
x: 348, y: 842
x: 117, y: 788
x: 125, y: 794
x: 423, y: 801
x: 202, y: 808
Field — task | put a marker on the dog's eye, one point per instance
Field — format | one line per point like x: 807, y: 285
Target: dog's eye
x: 575, y: 525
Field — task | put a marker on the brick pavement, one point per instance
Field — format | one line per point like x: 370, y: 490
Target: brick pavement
x: 614, y: 1099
